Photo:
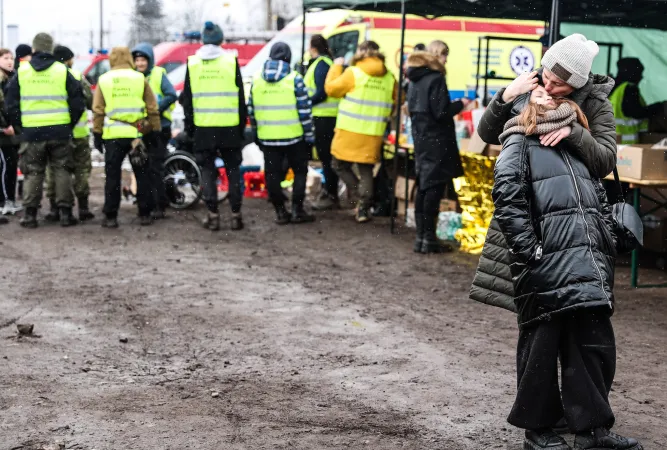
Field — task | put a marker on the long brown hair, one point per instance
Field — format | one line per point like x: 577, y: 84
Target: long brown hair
x: 319, y: 43
x: 528, y: 117
x: 367, y: 49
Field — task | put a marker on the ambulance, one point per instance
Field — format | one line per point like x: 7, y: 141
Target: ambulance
x: 345, y: 30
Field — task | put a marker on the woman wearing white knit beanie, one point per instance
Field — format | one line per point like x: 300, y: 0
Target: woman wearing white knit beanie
x: 566, y: 73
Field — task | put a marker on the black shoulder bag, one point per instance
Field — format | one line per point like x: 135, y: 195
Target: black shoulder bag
x: 629, y: 229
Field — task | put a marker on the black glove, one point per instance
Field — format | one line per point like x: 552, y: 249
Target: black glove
x: 98, y: 142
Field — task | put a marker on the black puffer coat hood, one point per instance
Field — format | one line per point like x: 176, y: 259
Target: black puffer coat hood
x: 557, y: 223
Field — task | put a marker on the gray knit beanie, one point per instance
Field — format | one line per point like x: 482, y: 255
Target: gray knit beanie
x: 570, y: 59
x: 43, y: 42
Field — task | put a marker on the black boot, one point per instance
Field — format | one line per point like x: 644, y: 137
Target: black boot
x: 66, y: 218
x: 29, y: 219
x: 145, y: 221
x: 431, y: 243
x: 237, y: 221
x: 602, y: 438
x: 110, y: 222
x: 54, y: 214
x: 211, y: 221
x: 299, y: 215
x: 540, y: 439
x: 84, y: 212
x: 282, y: 216
x: 419, y: 239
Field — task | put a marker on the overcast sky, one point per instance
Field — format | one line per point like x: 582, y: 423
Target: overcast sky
x: 71, y: 21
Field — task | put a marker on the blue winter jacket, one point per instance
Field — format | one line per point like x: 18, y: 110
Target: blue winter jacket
x: 168, y: 96
x: 274, y: 71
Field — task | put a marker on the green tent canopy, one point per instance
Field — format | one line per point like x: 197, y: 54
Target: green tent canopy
x: 627, y: 13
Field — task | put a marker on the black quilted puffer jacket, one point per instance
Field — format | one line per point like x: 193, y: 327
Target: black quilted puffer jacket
x: 557, y: 223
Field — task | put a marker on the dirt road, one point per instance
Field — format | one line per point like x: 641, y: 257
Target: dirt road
x: 322, y: 336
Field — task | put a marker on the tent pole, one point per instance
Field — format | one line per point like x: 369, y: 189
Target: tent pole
x: 399, y: 103
x: 554, y: 23
x: 302, y: 67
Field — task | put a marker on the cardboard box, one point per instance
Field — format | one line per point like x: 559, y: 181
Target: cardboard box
x: 400, y: 209
x: 447, y: 205
x: 399, y: 188
x: 476, y: 145
x: 642, y: 162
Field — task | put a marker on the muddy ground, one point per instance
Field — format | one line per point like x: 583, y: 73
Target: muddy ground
x: 322, y: 336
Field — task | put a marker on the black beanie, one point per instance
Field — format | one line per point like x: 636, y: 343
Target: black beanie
x: 23, y: 50
x: 281, y: 52
x: 62, y: 53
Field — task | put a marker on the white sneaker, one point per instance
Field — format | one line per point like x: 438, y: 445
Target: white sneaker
x: 11, y: 208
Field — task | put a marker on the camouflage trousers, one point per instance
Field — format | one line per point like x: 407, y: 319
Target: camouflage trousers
x: 81, y: 165
x: 35, y: 157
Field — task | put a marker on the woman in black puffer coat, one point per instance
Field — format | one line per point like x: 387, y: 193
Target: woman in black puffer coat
x: 557, y: 223
x: 437, y: 159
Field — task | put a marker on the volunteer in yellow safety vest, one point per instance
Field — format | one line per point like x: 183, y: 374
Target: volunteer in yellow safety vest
x: 630, y: 109
x: 166, y: 97
x: 368, y: 90
x: 124, y: 110
x: 325, y: 110
x: 45, y: 101
x: 81, y: 161
x: 280, y: 112
x: 215, y: 117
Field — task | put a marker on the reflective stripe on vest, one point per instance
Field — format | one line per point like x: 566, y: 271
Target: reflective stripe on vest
x: 215, y: 96
x: 275, y: 109
x: 155, y: 82
x: 43, y: 96
x: 81, y: 129
x: 367, y: 107
x: 627, y: 128
x: 123, y: 92
x: 329, y: 107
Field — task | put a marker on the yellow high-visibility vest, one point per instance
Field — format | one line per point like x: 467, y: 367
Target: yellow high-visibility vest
x: 43, y: 96
x: 81, y: 129
x: 155, y: 82
x: 367, y: 107
x: 215, y: 95
x: 627, y: 128
x: 329, y: 107
x: 275, y: 109
x: 123, y: 92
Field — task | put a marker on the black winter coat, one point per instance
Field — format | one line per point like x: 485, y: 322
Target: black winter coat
x: 557, y: 223
x: 75, y: 101
x: 437, y: 158
x: 597, y: 149
x: 214, y: 138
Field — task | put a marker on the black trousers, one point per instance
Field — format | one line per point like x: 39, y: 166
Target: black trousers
x: 115, y: 151
x: 232, y: 158
x: 297, y: 157
x: 9, y: 161
x: 157, y: 153
x: 584, y: 341
x: 324, y: 133
x: 427, y: 204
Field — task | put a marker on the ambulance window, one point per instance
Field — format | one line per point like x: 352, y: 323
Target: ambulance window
x: 344, y: 45
x: 171, y: 65
x: 97, y: 71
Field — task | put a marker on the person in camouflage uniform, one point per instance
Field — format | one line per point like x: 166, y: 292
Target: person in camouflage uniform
x: 81, y: 161
x: 45, y: 101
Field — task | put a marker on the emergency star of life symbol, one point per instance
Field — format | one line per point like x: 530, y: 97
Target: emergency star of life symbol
x: 522, y: 60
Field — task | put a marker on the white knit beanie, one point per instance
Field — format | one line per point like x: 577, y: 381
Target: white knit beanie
x: 571, y: 58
